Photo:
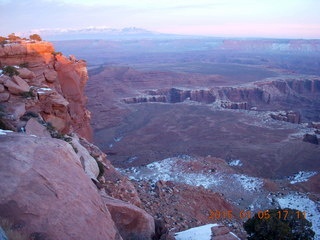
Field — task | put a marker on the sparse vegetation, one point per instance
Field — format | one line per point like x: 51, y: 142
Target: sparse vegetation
x: 10, y: 71
x: 28, y: 115
x: 24, y: 65
x: 285, y: 224
x: 2, y: 114
x: 29, y: 94
x: 35, y: 37
x: 56, y: 53
x: 12, y: 37
x: 3, y: 40
x: 101, y: 168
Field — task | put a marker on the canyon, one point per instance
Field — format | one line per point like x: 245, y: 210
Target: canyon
x: 163, y: 134
x: 167, y: 114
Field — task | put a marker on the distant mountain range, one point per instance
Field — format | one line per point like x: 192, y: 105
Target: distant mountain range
x: 98, y: 33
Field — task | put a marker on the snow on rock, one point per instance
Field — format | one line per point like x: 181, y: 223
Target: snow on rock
x: 44, y: 90
x: 236, y: 163
x: 202, y: 232
x: 4, y: 132
x: 301, y: 176
x: 304, y: 204
x: 248, y: 183
x: 169, y: 170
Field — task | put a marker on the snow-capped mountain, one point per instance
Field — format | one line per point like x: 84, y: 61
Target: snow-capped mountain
x: 93, y: 32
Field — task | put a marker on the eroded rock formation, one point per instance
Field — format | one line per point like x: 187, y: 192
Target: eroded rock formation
x: 47, y: 83
x: 58, y: 188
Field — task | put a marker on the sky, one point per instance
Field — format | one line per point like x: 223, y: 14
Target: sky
x: 220, y: 18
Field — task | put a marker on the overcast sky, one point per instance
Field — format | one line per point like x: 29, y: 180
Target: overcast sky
x: 236, y: 18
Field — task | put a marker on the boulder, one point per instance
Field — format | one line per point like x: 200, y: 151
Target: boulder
x: 57, y: 122
x: 1, y: 88
x: 16, y: 110
x: 131, y: 221
x: 50, y: 76
x: 26, y: 73
x: 221, y: 232
x: 46, y: 192
x: 16, y: 85
x: 33, y: 127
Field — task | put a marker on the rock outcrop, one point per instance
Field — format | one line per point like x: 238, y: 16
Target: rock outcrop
x: 290, y: 116
x: 58, y: 188
x: 45, y: 190
x: 131, y: 221
x: 47, y: 83
x: 268, y: 94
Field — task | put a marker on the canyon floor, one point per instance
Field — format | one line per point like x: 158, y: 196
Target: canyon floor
x: 179, y: 155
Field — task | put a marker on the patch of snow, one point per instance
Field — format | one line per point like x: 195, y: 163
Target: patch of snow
x: 168, y: 170
x: 202, y: 232
x: 16, y: 66
x: 303, y: 204
x: 248, y: 183
x: 236, y: 163
x: 301, y: 176
x: 44, y: 90
x: 117, y: 139
x: 4, y: 132
x: 131, y: 159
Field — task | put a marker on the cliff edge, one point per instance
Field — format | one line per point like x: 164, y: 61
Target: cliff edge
x: 42, y: 81
x: 54, y: 183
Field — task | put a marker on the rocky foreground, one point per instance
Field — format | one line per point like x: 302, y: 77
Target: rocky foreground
x: 54, y: 183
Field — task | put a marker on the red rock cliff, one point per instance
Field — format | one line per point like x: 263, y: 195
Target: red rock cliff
x: 48, y: 83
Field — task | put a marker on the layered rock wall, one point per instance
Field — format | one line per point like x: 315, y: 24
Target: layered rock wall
x: 242, y: 97
x: 47, y: 83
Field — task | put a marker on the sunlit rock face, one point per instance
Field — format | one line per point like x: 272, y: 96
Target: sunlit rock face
x: 47, y: 83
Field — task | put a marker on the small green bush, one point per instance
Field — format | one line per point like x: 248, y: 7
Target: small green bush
x: 10, y: 71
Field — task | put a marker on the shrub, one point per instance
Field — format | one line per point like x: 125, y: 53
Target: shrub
x: 35, y: 37
x: 285, y: 224
x: 29, y: 94
x: 10, y: 71
x: 28, y: 115
x: 56, y: 53
x: 12, y: 37
x: 24, y: 65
